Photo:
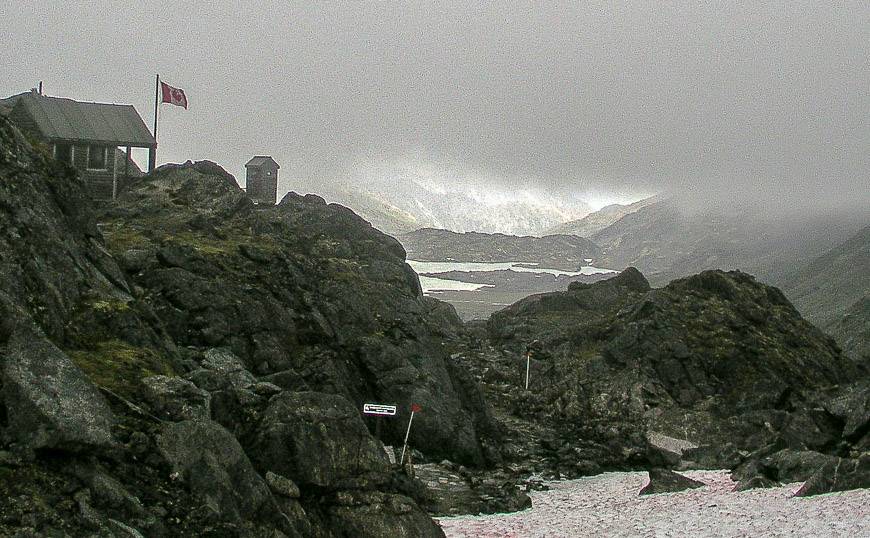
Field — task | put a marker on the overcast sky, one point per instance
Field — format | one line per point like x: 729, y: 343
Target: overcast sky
x: 594, y: 97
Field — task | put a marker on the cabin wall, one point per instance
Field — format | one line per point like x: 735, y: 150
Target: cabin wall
x: 98, y: 182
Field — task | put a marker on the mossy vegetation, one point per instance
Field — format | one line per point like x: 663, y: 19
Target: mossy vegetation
x: 119, y: 366
x: 106, y: 306
x: 121, y: 237
x: 224, y: 241
x: 227, y: 244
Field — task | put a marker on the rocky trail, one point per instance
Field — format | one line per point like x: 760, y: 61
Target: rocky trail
x: 609, y: 505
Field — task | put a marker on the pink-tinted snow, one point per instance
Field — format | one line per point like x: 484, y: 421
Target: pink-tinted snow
x: 609, y: 505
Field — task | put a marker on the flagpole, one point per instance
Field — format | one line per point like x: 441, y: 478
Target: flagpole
x: 152, y: 157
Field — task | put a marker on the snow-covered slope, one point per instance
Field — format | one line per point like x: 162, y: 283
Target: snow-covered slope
x: 409, y: 199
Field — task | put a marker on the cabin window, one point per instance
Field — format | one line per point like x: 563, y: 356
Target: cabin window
x: 64, y: 153
x: 97, y: 157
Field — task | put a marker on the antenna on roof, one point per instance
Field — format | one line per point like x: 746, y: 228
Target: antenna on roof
x: 40, y: 87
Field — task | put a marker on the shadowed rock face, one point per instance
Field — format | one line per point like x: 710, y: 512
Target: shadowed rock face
x: 316, y: 440
x: 665, y: 481
x: 839, y: 475
x: 210, y: 459
x: 53, y: 259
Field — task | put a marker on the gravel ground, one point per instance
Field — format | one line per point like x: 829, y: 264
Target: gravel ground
x: 609, y: 505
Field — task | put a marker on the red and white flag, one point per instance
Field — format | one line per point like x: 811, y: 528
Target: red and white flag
x: 173, y: 96
x: 416, y: 408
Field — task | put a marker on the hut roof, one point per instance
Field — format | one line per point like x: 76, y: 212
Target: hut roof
x: 260, y: 160
x: 65, y: 119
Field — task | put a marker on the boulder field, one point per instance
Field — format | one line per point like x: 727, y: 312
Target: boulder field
x: 182, y: 362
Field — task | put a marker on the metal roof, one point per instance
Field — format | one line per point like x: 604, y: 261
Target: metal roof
x: 64, y: 119
x: 260, y: 160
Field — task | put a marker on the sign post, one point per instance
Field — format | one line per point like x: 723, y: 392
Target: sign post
x: 379, y: 409
x: 414, y: 409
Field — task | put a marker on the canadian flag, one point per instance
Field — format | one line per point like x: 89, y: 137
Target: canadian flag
x: 173, y: 96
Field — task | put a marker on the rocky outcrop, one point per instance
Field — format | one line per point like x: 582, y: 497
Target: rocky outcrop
x: 784, y: 466
x: 379, y: 515
x: 306, y: 295
x: 53, y: 259
x: 454, y: 490
x: 839, y: 475
x: 850, y: 405
x: 665, y: 481
x: 832, y: 427
x: 140, y: 359
x: 317, y: 439
x: 196, y: 365
x: 716, y: 359
x: 214, y: 466
x: 174, y: 398
x: 48, y: 401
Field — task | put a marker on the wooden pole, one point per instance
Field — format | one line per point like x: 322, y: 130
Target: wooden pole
x: 407, y: 433
x: 127, y: 166
x: 114, y: 172
x: 152, y: 152
x: 528, y: 363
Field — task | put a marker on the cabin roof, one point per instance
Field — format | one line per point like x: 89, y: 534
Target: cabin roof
x: 260, y: 160
x: 59, y: 118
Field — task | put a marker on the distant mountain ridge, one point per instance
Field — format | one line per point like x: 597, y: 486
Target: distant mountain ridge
x: 556, y: 251
x: 383, y: 215
x: 667, y: 240
x: 852, y: 331
x: 832, y: 283
x: 604, y: 217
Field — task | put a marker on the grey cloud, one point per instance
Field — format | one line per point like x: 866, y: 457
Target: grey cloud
x: 710, y: 100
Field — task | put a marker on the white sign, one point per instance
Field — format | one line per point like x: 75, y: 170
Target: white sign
x: 379, y: 409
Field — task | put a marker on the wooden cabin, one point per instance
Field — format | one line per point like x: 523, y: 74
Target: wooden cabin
x: 86, y: 136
